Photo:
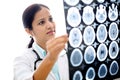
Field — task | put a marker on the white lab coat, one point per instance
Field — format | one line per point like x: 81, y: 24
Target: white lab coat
x: 24, y: 66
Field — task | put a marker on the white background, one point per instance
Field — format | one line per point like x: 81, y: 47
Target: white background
x: 13, y: 38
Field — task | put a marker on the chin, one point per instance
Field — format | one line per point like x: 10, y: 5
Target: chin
x: 50, y: 37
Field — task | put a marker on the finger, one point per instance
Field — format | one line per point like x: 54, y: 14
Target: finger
x: 58, y: 40
x: 63, y: 38
x: 55, y: 50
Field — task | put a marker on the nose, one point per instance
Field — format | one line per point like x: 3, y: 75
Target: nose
x: 50, y: 25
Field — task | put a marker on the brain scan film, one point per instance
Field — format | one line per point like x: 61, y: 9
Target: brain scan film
x: 89, y: 55
x: 72, y: 2
x: 73, y: 17
x: 89, y: 35
x: 77, y: 76
x: 113, y: 12
x: 90, y: 75
x: 113, y: 50
x: 87, y: 1
x: 74, y: 37
x: 114, y: 68
x: 76, y: 57
x: 88, y: 15
x: 93, y: 49
x: 113, y: 31
x: 102, y: 71
x: 101, y: 33
x: 102, y: 52
x: 101, y: 14
x: 100, y: 1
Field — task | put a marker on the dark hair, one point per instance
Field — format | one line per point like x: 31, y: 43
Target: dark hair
x: 28, y: 17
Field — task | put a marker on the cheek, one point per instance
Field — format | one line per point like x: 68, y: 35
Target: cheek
x: 39, y: 33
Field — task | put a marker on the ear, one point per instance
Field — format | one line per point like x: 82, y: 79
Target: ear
x: 29, y: 31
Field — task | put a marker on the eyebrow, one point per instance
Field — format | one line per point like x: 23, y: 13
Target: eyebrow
x: 44, y: 18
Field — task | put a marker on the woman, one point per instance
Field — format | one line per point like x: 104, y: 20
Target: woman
x: 44, y: 59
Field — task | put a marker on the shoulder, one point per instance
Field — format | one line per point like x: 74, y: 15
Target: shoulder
x: 27, y: 56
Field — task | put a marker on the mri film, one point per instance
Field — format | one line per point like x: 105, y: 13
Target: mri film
x: 89, y: 35
x: 102, y: 71
x: 113, y: 31
x: 76, y: 57
x: 77, y: 76
x: 101, y: 14
x: 88, y: 15
x: 75, y: 37
x: 113, y: 50
x: 89, y: 55
x: 101, y: 33
x: 113, y: 12
x: 73, y: 17
x: 102, y: 52
x: 72, y: 2
x: 114, y: 68
x: 90, y: 75
x: 93, y: 49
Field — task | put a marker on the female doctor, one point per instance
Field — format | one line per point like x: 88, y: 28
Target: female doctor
x: 44, y: 59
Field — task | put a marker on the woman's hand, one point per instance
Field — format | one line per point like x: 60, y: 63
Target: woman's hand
x: 55, y: 45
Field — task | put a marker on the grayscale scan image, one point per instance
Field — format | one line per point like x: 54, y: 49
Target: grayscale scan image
x: 93, y: 49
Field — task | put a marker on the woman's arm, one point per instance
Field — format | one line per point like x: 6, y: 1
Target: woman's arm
x: 54, y: 47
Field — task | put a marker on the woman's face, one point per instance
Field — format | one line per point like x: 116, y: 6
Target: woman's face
x: 43, y: 26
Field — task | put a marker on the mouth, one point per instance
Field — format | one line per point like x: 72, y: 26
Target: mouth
x: 51, y: 32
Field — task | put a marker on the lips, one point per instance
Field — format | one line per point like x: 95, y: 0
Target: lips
x: 51, y: 32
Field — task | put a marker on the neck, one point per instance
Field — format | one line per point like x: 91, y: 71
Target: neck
x: 42, y: 45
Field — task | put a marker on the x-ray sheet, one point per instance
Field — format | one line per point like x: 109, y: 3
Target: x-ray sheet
x: 93, y: 27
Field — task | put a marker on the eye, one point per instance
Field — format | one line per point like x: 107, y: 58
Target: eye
x: 51, y: 19
x: 41, y: 22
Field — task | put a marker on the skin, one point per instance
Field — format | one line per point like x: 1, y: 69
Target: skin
x: 43, y: 33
